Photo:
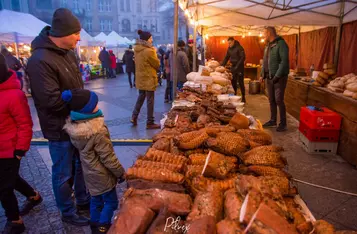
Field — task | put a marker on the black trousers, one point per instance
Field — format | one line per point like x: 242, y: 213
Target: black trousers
x: 129, y: 78
x: 276, y: 94
x: 150, y: 100
x: 10, y: 180
x: 238, y: 78
x: 168, y: 90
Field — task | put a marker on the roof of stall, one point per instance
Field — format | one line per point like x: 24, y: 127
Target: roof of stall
x: 88, y: 40
x: 237, y: 17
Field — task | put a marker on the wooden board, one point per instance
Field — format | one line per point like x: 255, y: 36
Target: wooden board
x: 296, y: 94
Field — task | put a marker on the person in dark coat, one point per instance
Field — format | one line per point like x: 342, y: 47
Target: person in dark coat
x: 13, y: 63
x: 236, y: 55
x: 276, y: 70
x: 104, y: 58
x: 183, y: 66
x: 15, y: 137
x: 113, y: 64
x: 190, y: 55
x: 53, y: 68
x: 128, y: 60
x: 168, y: 90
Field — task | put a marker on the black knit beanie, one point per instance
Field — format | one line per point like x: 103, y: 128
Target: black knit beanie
x: 64, y: 23
x: 80, y: 100
x: 4, y: 70
x: 144, y: 35
x: 181, y: 43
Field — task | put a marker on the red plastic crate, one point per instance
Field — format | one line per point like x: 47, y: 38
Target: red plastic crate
x: 319, y: 135
x: 325, y: 119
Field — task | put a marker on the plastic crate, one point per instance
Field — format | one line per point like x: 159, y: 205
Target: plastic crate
x: 318, y: 147
x: 319, y: 135
x: 325, y: 119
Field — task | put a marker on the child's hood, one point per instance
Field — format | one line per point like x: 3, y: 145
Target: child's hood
x: 84, y: 129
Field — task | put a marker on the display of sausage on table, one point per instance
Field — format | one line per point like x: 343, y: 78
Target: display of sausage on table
x: 212, y: 169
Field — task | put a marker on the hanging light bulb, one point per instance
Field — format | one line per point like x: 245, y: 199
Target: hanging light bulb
x: 262, y: 40
x: 206, y: 36
x: 249, y: 33
x: 223, y: 41
x: 260, y: 35
x: 94, y: 51
x: 82, y: 50
x: 10, y: 49
x: 243, y: 36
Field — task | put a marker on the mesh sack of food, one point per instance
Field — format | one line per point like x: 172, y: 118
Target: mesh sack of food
x: 228, y: 143
x: 165, y: 157
x: 239, y: 121
x: 162, y: 144
x: 164, y: 223
x: 192, y: 140
x: 193, y: 170
x: 264, y: 148
x: 203, y: 225
x: 155, y: 199
x: 246, y: 183
x: 194, y: 151
x: 166, y: 133
x: 200, y: 159
x: 161, y: 175
x: 201, y: 183
x: 203, y: 120
x: 229, y: 227
x: 293, y: 208
x: 323, y: 227
x: 232, y: 204
x: 218, y: 166
x: 132, y: 219
x: 214, y: 130
x: 267, y: 171
x: 207, y: 204
x: 258, y: 136
x: 262, y: 158
x: 280, y: 182
x: 158, y: 165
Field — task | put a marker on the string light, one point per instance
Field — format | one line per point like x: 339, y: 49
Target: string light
x: 262, y: 40
x: 10, y: 49
x: 94, y: 51
x: 223, y: 41
x: 243, y: 36
x: 82, y: 50
x: 206, y: 36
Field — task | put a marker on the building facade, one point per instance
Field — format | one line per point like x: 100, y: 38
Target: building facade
x: 15, y: 5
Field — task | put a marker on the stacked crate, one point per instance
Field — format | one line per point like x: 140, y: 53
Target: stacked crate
x: 319, y: 130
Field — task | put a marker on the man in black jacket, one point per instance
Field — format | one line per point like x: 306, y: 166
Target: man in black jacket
x: 236, y: 55
x: 53, y: 69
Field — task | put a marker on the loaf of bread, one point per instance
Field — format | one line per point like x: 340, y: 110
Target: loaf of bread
x: 354, y: 96
x: 323, y: 75
x: 352, y: 87
x: 348, y: 93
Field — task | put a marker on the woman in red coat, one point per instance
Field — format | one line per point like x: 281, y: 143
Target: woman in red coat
x: 113, y: 64
x: 15, y: 138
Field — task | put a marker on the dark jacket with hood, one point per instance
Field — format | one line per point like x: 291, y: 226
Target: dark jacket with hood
x: 183, y: 66
x: 12, y: 62
x: 52, y: 70
x: 190, y: 58
x: 236, y: 55
x: 128, y: 59
x: 278, y: 61
x: 104, y: 58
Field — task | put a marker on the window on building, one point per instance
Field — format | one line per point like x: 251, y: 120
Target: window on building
x: 101, y: 6
x: 128, y: 5
x: 163, y: 35
x: 89, y: 25
x: 75, y: 5
x: 44, y: 4
x: 126, y: 25
x: 110, y: 25
x: 102, y: 25
x: 122, y: 8
x: 108, y: 6
x: 145, y: 27
x: 88, y: 5
x: 154, y: 6
x: 15, y: 5
x: 138, y: 6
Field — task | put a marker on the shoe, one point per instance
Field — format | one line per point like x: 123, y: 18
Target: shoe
x: 166, y: 101
x: 29, y: 205
x: 76, y: 220
x: 269, y: 124
x: 153, y: 126
x: 243, y: 100
x: 131, y: 86
x: 134, y: 121
x: 103, y: 228
x: 281, y: 128
x: 84, y: 207
x: 13, y: 228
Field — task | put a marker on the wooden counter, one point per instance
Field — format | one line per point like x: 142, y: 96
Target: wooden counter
x: 299, y: 93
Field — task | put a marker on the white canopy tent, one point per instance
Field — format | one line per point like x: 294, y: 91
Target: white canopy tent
x: 237, y: 17
x: 19, y: 27
x: 116, y: 40
x: 88, y: 40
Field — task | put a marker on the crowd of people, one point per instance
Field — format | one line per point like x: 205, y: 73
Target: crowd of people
x: 84, y: 161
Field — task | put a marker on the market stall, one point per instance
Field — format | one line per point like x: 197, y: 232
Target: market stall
x: 212, y: 169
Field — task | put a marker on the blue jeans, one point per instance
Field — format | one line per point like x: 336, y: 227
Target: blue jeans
x: 102, y: 207
x: 66, y: 173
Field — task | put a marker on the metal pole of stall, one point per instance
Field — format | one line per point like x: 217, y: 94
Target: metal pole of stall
x: 339, y: 34
x: 175, y: 48
x: 298, y: 48
x: 16, y: 45
x: 203, y: 43
x: 194, y: 48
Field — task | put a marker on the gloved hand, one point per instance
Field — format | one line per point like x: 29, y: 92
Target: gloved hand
x: 121, y: 180
x: 275, y: 80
